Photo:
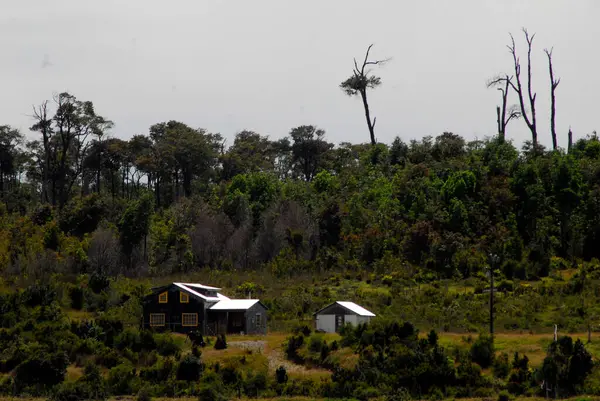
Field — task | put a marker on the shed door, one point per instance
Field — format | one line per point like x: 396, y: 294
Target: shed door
x: 339, y: 322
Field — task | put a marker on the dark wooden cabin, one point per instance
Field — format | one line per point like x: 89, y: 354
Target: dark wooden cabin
x: 247, y: 316
x: 185, y: 307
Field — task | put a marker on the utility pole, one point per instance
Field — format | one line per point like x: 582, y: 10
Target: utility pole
x: 492, y: 302
x: 493, y: 261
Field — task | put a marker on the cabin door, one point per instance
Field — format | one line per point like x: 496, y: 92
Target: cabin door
x: 339, y: 322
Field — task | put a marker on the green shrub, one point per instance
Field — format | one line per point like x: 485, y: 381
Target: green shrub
x: 315, y: 343
x: 302, y: 329
x: 436, y: 394
x: 108, y: 358
x: 189, y: 368
x: 292, y: 345
x: 482, y: 351
x: 53, y: 366
x: 144, y: 395
x: 76, y: 297
x: 158, y: 373
x: 166, y: 345
x: 505, y: 286
x: 75, y: 391
x: 255, y: 383
x: 281, y: 375
x: 505, y: 396
x: 98, y: 282
x: 221, y: 342
x: 121, y: 379
x: 324, y: 351
x: 501, y: 366
x: 208, y: 392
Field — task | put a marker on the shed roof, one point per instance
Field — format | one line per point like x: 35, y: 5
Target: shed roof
x: 352, y: 307
x: 234, y: 304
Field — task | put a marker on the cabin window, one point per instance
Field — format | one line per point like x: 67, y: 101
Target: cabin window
x: 184, y: 298
x: 258, y: 320
x: 189, y: 319
x: 157, y: 319
x: 163, y: 298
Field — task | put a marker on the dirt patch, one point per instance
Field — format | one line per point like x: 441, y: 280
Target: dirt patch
x: 275, y: 356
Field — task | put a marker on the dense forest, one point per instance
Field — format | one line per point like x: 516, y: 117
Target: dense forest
x: 176, y: 200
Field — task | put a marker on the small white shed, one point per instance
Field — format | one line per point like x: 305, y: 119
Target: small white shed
x: 332, y: 317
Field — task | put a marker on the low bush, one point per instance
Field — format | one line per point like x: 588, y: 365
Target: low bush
x: 221, y: 342
x: 482, y: 351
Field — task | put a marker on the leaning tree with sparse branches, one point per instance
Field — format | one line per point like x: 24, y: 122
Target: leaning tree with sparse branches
x: 359, y: 82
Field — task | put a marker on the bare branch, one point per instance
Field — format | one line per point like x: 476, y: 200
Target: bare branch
x: 499, y: 80
x: 513, y: 113
x: 366, y: 58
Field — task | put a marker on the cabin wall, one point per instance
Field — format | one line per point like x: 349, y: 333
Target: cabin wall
x: 251, y: 324
x: 326, y: 323
x: 363, y: 319
x: 352, y: 319
x: 173, y: 311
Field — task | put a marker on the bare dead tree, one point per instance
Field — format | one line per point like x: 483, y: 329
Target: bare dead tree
x: 504, y: 112
x: 530, y: 119
x: 553, y: 85
x: 570, y: 146
x: 359, y: 82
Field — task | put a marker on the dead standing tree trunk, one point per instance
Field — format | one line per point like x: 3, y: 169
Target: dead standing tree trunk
x: 359, y: 82
x: 553, y: 85
x: 503, y: 112
x: 530, y: 119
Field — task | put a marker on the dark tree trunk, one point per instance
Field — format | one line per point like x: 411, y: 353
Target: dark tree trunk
x: 500, y: 128
x: 176, y: 176
x: 370, y: 124
x: 187, y: 184
x: 123, y: 179
x: 570, y: 146
x: 157, y: 190
x: 553, y: 85
x: 98, y: 179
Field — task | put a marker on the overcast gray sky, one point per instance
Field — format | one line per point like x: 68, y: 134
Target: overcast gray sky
x: 270, y: 65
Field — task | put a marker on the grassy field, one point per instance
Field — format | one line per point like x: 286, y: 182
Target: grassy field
x: 268, y: 350
x: 532, y: 345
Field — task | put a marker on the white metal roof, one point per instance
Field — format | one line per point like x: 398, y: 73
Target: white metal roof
x: 191, y: 291
x: 359, y: 310
x: 201, y: 286
x: 222, y: 297
x: 234, y: 304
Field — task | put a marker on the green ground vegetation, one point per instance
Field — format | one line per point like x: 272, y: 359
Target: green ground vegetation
x: 88, y: 223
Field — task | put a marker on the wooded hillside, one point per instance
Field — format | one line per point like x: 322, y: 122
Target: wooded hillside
x: 88, y: 222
